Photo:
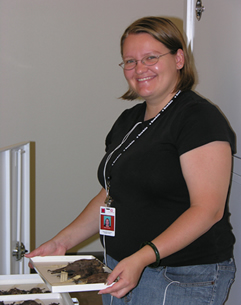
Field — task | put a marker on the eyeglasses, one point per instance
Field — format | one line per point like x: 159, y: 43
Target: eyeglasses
x: 149, y: 60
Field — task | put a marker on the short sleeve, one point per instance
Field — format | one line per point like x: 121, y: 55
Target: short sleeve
x: 201, y: 124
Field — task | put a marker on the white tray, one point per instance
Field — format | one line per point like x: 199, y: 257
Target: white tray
x: 43, y: 264
x: 43, y: 298
x: 26, y: 282
x: 22, y: 281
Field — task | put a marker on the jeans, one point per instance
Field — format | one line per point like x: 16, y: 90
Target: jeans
x: 189, y: 285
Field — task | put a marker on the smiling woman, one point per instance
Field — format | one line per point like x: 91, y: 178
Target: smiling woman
x: 165, y: 179
x: 155, y: 83
x: 164, y: 31
x: 173, y: 193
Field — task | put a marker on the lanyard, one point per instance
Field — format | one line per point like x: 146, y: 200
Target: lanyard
x: 107, y: 183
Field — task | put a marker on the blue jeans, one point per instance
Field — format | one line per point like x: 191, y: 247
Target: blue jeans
x: 189, y: 285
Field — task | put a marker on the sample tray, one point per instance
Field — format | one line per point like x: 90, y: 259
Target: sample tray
x: 53, y: 281
x: 42, y: 298
x: 22, y: 281
x: 27, y: 282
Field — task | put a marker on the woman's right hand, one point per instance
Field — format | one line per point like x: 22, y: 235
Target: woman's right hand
x: 82, y: 228
x: 48, y: 248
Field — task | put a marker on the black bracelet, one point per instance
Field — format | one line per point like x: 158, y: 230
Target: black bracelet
x: 158, y: 260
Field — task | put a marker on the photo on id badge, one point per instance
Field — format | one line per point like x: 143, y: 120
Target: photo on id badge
x: 107, y: 221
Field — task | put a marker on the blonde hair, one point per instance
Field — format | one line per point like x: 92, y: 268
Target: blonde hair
x: 166, y: 32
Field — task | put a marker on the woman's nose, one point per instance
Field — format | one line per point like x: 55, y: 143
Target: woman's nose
x: 140, y: 67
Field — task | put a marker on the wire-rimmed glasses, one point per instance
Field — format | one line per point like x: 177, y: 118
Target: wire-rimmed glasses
x: 149, y: 60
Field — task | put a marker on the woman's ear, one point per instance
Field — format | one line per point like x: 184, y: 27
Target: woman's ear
x: 179, y: 59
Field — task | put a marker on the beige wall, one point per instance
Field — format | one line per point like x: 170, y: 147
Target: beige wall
x: 60, y: 82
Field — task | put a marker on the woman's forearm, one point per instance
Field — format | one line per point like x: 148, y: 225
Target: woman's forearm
x: 84, y: 226
x: 193, y: 223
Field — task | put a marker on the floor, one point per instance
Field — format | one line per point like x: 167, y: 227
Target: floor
x: 87, y: 297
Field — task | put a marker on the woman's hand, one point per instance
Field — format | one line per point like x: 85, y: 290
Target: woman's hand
x: 128, y: 272
x: 83, y: 227
x: 48, y: 248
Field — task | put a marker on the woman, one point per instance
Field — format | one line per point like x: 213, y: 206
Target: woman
x: 167, y: 173
x: 107, y: 223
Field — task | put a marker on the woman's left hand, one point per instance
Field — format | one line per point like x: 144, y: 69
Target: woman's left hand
x: 128, y: 272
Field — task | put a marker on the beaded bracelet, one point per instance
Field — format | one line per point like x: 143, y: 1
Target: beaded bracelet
x: 158, y: 260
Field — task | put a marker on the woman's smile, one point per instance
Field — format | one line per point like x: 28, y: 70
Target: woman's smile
x: 145, y: 78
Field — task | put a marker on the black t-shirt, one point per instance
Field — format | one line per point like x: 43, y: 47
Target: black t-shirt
x: 147, y: 186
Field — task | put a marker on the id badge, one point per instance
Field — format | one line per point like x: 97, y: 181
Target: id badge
x: 107, y: 221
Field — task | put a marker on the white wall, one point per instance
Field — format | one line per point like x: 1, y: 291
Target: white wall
x: 217, y: 59
x: 59, y: 86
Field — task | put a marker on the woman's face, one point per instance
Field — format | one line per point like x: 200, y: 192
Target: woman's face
x: 152, y: 83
